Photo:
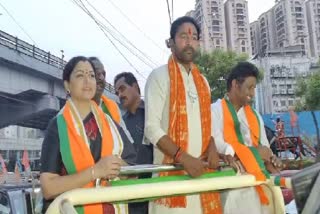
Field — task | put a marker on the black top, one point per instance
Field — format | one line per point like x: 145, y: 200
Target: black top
x: 51, y: 160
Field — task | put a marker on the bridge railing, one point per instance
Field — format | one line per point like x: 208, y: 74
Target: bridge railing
x: 23, y: 47
x: 30, y: 50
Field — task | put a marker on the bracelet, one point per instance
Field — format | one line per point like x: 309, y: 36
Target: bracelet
x: 92, y: 174
x: 178, y: 155
x: 175, y: 155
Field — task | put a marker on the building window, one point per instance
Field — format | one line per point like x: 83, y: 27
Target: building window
x: 215, y: 22
x: 290, y: 102
x: 216, y: 29
x: 218, y: 42
x: 283, y: 103
x: 239, y: 11
x: 243, y: 49
x: 243, y: 42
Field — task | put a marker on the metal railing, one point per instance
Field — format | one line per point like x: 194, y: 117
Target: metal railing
x: 25, y: 48
x: 65, y: 202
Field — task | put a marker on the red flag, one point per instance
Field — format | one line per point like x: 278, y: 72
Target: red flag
x: 25, y: 161
x: 293, y: 118
x: 3, y: 167
x: 3, y: 170
x: 17, y: 173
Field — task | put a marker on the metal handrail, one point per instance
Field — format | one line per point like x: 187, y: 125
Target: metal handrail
x: 25, y: 48
x: 65, y: 202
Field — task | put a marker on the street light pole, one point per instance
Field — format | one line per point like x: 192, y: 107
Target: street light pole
x: 62, y: 57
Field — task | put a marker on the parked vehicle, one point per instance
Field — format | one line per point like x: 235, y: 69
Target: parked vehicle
x: 20, y: 198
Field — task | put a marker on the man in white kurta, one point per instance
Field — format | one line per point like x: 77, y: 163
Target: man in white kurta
x: 241, y: 84
x: 244, y: 200
x: 183, y: 43
x: 157, y: 122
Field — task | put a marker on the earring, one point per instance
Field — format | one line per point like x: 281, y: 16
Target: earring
x: 68, y: 94
x: 167, y: 41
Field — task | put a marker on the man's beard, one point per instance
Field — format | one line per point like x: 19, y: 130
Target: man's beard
x: 184, y: 57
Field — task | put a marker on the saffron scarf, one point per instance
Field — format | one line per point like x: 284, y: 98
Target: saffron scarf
x: 178, y: 131
x: 110, y: 108
x: 248, y: 156
x: 254, y: 125
x: 75, y: 146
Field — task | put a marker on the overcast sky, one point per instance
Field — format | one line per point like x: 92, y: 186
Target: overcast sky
x: 56, y: 25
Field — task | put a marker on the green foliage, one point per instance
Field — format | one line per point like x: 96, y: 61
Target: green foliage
x: 309, y: 91
x: 313, y: 92
x: 216, y: 66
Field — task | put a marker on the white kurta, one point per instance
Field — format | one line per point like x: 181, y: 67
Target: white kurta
x: 245, y: 200
x: 157, y: 99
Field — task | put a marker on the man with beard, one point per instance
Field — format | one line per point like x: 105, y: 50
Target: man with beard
x: 239, y: 134
x: 177, y: 105
x: 128, y: 91
x: 111, y: 108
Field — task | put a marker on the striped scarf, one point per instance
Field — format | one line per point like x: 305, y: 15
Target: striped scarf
x: 110, y: 108
x: 178, y: 131
x: 75, y: 145
x: 248, y: 156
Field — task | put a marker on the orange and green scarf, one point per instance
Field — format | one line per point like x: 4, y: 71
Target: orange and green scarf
x: 248, y: 156
x: 110, y: 108
x: 75, y: 146
x: 254, y: 125
x: 178, y: 131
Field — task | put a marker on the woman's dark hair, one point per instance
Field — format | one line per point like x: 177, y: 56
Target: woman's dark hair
x: 241, y: 71
x: 68, y: 68
x: 180, y: 21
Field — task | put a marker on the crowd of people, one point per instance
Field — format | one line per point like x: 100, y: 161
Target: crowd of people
x: 90, y: 139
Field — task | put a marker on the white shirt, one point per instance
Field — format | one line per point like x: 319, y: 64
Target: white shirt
x: 218, y: 124
x: 244, y: 200
x: 157, y: 101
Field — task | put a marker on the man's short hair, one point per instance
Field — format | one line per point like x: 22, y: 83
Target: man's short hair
x: 129, y: 78
x: 180, y: 21
x: 241, y: 71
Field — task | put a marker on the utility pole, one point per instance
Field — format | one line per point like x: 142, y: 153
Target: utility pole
x: 62, y: 57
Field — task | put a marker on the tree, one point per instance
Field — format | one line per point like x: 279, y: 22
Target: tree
x: 216, y: 66
x: 309, y: 91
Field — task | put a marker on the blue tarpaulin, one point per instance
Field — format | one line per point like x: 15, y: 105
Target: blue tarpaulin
x: 305, y: 123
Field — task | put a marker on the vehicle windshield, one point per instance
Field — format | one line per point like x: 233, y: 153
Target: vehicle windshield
x: 4, y: 204
x: 18, y: 202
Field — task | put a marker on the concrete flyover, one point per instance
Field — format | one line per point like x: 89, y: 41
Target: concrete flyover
x: 31, y: 87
